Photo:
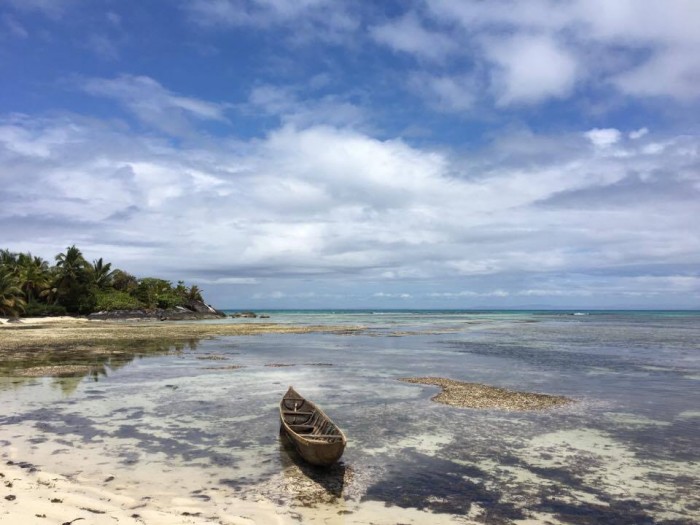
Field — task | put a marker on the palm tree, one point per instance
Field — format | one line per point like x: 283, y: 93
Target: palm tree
x: 34, y: 276
x: 102, y: 274
x: 73, y: 287
x: 11, y: 301
x: 8, y: 259
x: 194, y: 293
x: 71, y: 264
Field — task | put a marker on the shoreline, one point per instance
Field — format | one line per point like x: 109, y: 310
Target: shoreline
x: 71, y: 333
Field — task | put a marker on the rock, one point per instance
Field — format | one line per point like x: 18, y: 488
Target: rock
x: 159, y: 314
x: 248, y: 315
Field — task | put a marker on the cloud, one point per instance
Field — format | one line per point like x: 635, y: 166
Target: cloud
x: 604, y: 138
x: 530, y: 69
x: 324, y: 206
x: 307, y: 20
x: 295, y: 105
x: 154, y: 105
x: 408, y: 35
x: 532, y: 52
x: 678, y: 68
x: 445, y: 93
x: 638, y: 133
x: 12, y: 26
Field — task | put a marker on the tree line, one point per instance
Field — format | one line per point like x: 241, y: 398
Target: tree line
x: 30, y: 286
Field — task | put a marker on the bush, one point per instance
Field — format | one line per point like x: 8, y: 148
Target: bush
x: 109, y: 300
x: 35, y: 309
x: 158, y: 293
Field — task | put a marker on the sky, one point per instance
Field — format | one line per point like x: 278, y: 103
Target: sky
x: 351, y: 154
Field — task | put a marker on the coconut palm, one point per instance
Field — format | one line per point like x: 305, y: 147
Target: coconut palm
x: 102, y: 274
x: 71, y: 264
x: 74, y: 290
x: 8, y: 259
x: 34, y: 276
x: 194, y: 293
x: 11, y: 301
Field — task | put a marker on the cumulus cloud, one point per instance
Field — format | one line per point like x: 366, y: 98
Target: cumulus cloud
x: 338, y: 206
x: 532, y: 52
x: 604, y: 138
x: 530, y: 69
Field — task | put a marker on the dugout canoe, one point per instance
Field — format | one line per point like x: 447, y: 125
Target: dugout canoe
x: 316, y: 438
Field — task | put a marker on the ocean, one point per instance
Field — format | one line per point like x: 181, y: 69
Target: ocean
x: 203, y: 416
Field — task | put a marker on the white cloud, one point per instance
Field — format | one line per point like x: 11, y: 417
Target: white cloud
x: 290, y: 105
x: 151, y: 103
x: 408, y: 35
x: 638, y: 133
x: 603, y: 138
x: 445, y: 93
x: 341, y: 206
x: 645, y: 48
x: 12, y: 26
x: 674, y: 73
x: 530, y: 69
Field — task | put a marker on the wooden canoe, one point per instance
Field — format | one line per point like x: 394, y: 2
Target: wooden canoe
x: 315, y: 437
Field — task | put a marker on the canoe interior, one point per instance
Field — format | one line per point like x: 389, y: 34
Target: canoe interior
x: 314, y: 435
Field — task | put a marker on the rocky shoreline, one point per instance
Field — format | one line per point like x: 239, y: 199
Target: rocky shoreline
x: 194, y: 310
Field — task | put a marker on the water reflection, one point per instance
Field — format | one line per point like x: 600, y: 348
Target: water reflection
x: 95, y: 361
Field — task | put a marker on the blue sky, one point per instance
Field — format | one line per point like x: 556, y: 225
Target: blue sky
x: 327, y: 153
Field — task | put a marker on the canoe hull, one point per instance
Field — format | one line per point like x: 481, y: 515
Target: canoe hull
x: 314, y: 435
x: 321, y: 455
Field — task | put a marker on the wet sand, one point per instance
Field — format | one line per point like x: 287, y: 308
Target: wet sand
x: 36, y: 497
x: 48, y: 333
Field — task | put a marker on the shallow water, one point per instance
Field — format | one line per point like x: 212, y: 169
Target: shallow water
x: 628, y: 451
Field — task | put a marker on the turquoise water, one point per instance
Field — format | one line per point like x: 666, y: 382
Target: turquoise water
x: 627, y: 451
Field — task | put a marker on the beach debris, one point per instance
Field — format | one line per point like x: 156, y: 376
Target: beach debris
x: 475, y: 395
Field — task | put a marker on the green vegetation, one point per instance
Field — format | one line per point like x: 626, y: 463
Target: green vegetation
x: 29, y: 286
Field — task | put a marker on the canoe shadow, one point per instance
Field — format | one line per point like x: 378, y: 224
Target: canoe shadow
x: 331, y: 478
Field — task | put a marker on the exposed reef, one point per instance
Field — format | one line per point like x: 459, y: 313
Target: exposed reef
x: 475, y: 395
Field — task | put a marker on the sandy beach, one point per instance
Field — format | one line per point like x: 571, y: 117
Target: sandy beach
x: 30, y: 496
x: 37, y: 497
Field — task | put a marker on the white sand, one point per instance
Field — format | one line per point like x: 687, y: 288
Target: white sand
x: 62, y: 319
x: 44, y: 498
